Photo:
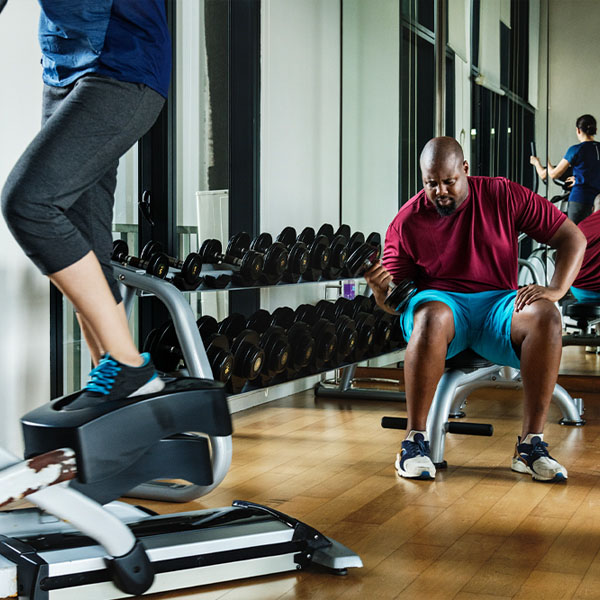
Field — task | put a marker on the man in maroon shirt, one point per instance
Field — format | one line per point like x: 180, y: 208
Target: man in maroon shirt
x: 457, y: 239
x: 586, y: 287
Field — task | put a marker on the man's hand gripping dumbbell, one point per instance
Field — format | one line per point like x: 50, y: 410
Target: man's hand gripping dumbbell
x: 393, y: 298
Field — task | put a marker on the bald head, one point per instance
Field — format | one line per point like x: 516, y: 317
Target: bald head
x: 444, y: 172
x: 440, y: 150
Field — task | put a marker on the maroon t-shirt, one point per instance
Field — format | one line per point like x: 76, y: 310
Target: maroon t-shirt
x: 589, y: 275
x: 475, y: 248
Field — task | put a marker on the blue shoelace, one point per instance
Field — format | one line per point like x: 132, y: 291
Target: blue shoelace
x: 103, y: 376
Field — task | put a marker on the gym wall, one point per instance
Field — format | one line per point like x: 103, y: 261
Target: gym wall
x: 300, y: 124
x: 370, y: 113
x: 24, y: 306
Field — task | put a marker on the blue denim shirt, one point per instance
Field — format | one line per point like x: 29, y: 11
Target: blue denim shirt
x: 124, y: 39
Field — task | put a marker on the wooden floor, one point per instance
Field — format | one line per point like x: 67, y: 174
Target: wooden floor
x: 479, y: 531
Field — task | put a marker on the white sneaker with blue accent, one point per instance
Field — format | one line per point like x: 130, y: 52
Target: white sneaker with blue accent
x: 532, y: 457
x: 414, y: 460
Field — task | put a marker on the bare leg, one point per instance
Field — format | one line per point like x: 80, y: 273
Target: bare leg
x: 425, y: 358
x: 84, y: 284
x: 536, y: 330
x: 93, y: 343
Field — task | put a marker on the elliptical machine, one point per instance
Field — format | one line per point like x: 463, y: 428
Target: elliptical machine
x: 78, y: 462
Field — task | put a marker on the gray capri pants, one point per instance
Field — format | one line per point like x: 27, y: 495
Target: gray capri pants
x: 58, y: 200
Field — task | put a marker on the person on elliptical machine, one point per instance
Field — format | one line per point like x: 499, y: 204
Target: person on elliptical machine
x: 106, y: 68
x: 457, y: 239
x: 584, y: 158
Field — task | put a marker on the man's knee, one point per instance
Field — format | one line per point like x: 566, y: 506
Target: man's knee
x: 434, y: 320
x: 545, y: 314
x: 540, y: 317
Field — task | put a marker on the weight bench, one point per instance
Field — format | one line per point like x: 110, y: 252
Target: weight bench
x: 466, y: 372
x: 586, y: 315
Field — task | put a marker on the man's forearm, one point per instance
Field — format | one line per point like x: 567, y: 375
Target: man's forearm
x: 568, y: 259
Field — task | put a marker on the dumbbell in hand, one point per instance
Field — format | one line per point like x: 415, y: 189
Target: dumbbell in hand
x: 250, y: 265
x: 157, y: 264
x: 190, y: 267
x: 366, y: 256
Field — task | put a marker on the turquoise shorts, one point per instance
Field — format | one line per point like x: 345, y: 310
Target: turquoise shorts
x: 482, y: 322
x: 585, y: 295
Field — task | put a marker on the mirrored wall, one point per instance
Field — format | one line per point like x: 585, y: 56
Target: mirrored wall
x: 494, y: 95
x: 518, y: 75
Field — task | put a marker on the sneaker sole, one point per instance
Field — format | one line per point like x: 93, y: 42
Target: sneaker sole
x: 520, y: 467
x: 155, y: 385
x: 424, y: 475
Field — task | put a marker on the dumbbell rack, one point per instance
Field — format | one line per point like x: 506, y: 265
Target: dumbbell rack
x: 136, y: 282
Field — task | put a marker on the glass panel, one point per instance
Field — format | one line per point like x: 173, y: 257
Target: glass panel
x: 506, y: 112
x: 202, y: 76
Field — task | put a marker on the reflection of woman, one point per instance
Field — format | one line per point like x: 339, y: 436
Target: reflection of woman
x: 585, y: 160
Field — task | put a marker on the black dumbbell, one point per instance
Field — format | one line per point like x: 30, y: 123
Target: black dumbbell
x: 275, y: 256
x: 374, y: 239
x: 298, y: 255
x: 338, y: 254
x: 365, y: 326
x: 344, y: 231
x: 323, y: 333
x: 250, y: 265
x: 189, y: 268
x: 163, y: 346
x: 217, y: 348
x: 157, y: 265
x: 338, y: 250
x: 383, y: 325
x: 239, y: 247
x: 356, y: 239
x: 327, y: 230
x: 274, y: 341
x: 399, y: 295
x: 248, y: 356
x: 318, y: 253
x: 396, y: 337
x: 345, y: 330
x: 217, y: 282
x: 302, y: 343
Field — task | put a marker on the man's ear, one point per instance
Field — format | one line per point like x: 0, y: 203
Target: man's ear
x: 466, y: 167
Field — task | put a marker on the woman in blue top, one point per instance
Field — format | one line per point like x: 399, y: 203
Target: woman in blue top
x: 585, y: 160
x: 106, y: 67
